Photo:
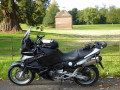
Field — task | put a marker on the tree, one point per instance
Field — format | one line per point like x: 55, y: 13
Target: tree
x: 9, y: 22
x: 103, y: 15
x: 91, y: 15
x: 112, y: 15
x: 34, y: 12
x: 1, y: 16
x: 74, y: 12
x: 118, y: 15
x: 80, y: 17
x: 13, y: 10
x: 51, y: 11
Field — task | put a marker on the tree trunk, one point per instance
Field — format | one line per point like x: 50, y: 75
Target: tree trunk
x: 10, y: 24
x: 10, y: 18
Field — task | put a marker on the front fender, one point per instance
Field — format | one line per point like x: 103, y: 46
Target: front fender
x: 17, y: 63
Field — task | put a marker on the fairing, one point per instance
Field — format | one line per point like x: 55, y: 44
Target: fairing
x: 28, y: 32
x: 51, y: 57
x: 27, y: 46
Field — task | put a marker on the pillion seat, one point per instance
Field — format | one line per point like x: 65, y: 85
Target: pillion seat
x: 74, y: 55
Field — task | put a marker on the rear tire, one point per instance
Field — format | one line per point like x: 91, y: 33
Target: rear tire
x: 20, y: 81
x: 90, y: 80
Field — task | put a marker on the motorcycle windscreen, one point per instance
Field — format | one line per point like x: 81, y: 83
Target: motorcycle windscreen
x: 51, y: 57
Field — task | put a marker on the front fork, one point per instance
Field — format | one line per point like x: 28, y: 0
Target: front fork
x: 22, y: 72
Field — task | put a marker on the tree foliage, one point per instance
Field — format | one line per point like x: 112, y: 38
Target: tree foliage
x: 118, y: 15
x: 30, y: 12
x: 112, y: 15
x: 96, y: 16
x: 1, y: 16
x: 34, y: 12
x: 91, y: 15
x: 88, y: 16
x: 103, y: 15
x: 80, y: 17
x: 74, y: 12
x: 51, y: 11
x: 9, y: 22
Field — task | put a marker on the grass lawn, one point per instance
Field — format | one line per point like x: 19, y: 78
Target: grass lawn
x: 68, y: 41
x: 97, y: 27
x: 92, y: 27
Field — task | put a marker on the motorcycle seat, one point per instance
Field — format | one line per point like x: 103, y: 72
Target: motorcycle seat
x: 74, y: 55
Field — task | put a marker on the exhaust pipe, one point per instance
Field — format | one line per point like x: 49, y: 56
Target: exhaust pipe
x: 93, y: 61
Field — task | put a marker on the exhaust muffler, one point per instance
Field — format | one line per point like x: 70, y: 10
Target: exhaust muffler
x: 92, y: 61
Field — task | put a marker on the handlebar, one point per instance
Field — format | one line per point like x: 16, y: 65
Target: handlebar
x: 39, y: 38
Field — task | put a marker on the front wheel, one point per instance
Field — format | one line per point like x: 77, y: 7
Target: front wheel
x: 91, y: 73
x: 16, y: 75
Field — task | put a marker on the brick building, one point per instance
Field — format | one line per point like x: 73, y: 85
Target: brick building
x: 63, y: 20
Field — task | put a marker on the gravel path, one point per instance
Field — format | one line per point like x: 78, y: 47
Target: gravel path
x: 102, y: 84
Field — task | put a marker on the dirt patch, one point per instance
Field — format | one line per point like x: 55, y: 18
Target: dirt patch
x: 11, y: 32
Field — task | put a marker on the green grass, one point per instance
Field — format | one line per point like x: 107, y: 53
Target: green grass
x: 92, y: 27
x: 97, y: 27
x: 87, y: 31
x: 68, y: 41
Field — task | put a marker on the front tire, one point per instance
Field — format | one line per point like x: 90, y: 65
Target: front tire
x: 91, y: 72
x: 14, y: 75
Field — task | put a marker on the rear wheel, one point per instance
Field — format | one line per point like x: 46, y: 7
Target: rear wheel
x: 16, y: 75
x: 91, y: 73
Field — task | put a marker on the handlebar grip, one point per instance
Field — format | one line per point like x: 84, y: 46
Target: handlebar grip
x: 100, y: 45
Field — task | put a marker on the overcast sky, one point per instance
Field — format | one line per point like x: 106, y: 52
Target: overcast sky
x: 82, y: 4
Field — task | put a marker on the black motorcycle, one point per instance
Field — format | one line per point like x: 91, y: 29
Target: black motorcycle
x: 44, y: 58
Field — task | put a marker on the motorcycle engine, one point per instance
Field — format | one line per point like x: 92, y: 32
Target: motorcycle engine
x: 58, y: 74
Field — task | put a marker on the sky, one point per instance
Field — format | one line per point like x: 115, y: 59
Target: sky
x: 82, y: 4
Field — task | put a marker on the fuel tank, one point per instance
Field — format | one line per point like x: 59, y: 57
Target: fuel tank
x: 49, y: 43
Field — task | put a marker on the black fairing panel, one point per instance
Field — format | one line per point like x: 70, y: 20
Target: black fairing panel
x: 27, y: 46
x: 51, y: 57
